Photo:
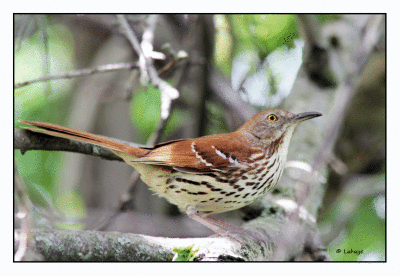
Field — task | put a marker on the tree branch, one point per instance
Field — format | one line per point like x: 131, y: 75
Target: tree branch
x: 82, y: 72
x: 348, y: 88
x: 26, y: 140
x: 260, y: 245
x: 230, y: 98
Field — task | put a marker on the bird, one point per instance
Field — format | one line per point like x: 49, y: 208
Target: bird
x: 209, y: 174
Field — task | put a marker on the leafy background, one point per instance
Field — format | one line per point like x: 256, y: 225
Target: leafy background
x: 263, y: 50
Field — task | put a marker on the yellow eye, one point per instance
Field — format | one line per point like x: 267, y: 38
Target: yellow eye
x: 272, y: 118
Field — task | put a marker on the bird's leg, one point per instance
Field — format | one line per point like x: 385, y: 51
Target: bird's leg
x: 218, y: 226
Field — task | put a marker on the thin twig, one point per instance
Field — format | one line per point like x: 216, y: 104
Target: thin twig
x: 144, y: 51
x: 168, y: 93
x: 148, y: 36
x: 144, y: 76
x: 147, y: 47
x: 82, y: 72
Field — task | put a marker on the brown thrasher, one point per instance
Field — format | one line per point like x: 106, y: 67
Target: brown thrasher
x: 210, y: 174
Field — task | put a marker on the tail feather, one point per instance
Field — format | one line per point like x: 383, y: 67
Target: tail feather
x: 81, y: 136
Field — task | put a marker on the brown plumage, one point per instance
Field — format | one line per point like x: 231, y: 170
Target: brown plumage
x: 209, y: 174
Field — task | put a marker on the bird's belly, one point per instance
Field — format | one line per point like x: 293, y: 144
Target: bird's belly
x: 217, y: 192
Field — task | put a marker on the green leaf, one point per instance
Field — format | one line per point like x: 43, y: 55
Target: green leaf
x: 272, y: 31
x: 145, y: 113
x: 265, y: 32
x: 145, y: 110
x: 184, y: 254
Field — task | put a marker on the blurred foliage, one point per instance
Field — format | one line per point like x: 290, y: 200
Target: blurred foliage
x: 354, y: 225
x: 215, y: 119
x: 145, y: 113
x: 145, y: 110
x: 364, y: 237
x: 223, y: 44
x: 184, y: 254
x: 256, y: 52
x: 324, y: 18
x: 265, y: 32
x: 252, y: 49
x: 44, y: 101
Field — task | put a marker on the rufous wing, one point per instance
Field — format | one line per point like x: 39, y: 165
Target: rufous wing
x: 208, y: 153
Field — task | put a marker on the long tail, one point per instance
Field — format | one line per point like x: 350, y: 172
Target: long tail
x: 81, y: 136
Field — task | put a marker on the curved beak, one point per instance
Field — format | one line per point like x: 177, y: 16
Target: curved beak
x: 305, y: 116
